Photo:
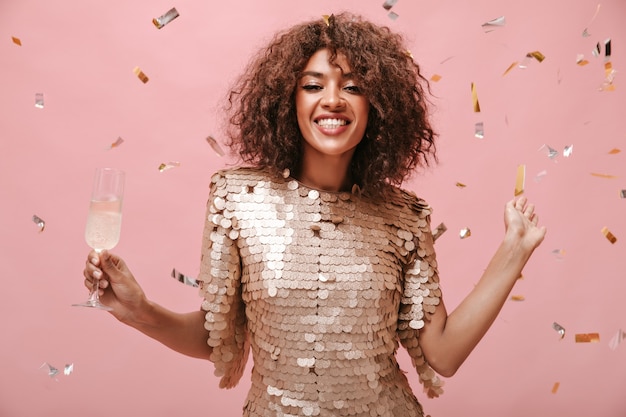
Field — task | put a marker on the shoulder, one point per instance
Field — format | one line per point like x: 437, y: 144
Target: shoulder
x: 408, y: 201
x: 240, y: 176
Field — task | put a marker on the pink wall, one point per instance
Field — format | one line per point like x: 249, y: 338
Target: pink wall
x: 81, y: 56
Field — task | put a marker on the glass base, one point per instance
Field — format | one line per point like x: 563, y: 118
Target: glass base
x: 93, y: 304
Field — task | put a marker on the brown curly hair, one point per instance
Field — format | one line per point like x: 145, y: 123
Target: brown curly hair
x: 263, y: 127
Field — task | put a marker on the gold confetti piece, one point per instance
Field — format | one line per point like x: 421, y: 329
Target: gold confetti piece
x: 614, y: 151
x: 479, y: 130
x: 39, y: 222
x: 169, y: 165
x: 187, y: 280
x: 537, y: 55
x: 580, y: 60
x: 393, y: 15
x: 39, y: 100
x: 139, y: 73
x: 465, y: 233
x: 587, y: 337
x: 68, y: 369
x: 117, y: 143
x: 499, y: 21
x: 460, y: 185
x: 215, y: 145
x: 475, y: 99
x: 388, y: 4
x: 568, y: 150
x: 617, y: 339
x: 438, y: 231
x: 607, y: 176
x: 518, y: 297
x: 520, y: 179
x: 52, y: 371
x: 326, y: 19
x: 408, y: 53
x: 622, y: 193
x: 555, y: 387
x: 16, y: 41
x: 560, y: 329
x: 435, y: 78
x: 513, y: 65
x: 163, y: 20
x: 609, y: 235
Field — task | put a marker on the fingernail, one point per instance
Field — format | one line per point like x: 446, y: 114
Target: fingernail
x: 97, y: 274
x: 94, y: 260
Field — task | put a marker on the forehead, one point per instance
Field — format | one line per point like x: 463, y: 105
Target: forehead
x: 320, y: 62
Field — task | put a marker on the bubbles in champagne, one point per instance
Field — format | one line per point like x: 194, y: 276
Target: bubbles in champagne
x: 104, y: 224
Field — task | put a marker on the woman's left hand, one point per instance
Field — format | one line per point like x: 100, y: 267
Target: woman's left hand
x: 520, y: 222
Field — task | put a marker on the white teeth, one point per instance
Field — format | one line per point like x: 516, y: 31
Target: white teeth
x: 331, y: 123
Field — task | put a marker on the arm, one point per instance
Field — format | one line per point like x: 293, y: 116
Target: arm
x: 184, y: 333
x: 447, y: 340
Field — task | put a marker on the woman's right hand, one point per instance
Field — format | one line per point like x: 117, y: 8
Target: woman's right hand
x: 118, y: 287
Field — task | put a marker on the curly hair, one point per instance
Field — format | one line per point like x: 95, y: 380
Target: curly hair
x: 264, y: 130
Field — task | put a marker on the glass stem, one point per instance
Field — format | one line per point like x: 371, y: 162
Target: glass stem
x: 95, y: 289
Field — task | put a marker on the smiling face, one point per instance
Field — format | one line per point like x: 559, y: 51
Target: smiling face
x: 331, y: 110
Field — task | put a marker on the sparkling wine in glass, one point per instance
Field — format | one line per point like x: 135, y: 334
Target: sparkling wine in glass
x: 104, y: 220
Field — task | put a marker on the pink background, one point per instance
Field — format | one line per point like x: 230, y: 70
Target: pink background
x: 81, y: 56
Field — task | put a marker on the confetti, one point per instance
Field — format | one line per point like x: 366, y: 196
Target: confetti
x: 408, y: 53
x: 622, y: 193
x: 52, y: 371
x: 117, y: 143
x: 39, y: 222
x: 393, y: 15
x: 555, y: 387
x: 580, y: 60
x: 520, y: 179
x: 607, y: 48
x: 215, y: 145
x: 597, y: 50
x: 568, y: 150
x: 479, y: 130
x: 465, y: 233
x: 537, y: 55
x: 587, y: 337
x: 163, y: 20
x: 513, y: 65
x: 559, y: 253
x: 560, y: 329
x: 607, y: 176
x: 609, y: 76
x: 169, y: 165
x: 460, y: 185
x: 540, y: 175
x: 438, y: 231
x: 614, y: 151
x: 184, y: 278
x: 16, y: 41
x: 68, y: 369
x: 435, y: 78
x: 326, y: 19
x: 39, y: 100
x: 617, y: 339
x: 475, y: 99
x: 585, y: 31
x: 139, y: 73
x: 388, y: 4
x: 497, y: 22
x: 609, y: 235
x: 518, y: 297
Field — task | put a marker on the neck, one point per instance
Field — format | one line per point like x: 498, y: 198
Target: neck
x: 324, y: 172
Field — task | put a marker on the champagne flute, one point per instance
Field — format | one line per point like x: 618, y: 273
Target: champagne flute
x: 104, y: 220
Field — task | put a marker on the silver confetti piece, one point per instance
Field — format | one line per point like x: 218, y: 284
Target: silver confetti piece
x: 438, y: 231
x: 39, y: 100
x: 556, y: 326
x: 479, y: 130
x: 215, y: 145
x: 52, y: 371
x: 184, y: 278
x: 163, y: 20
x: 388, y: 4
x: 39, y: 222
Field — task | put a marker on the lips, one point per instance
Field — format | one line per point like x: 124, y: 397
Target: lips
x: 331, y: 122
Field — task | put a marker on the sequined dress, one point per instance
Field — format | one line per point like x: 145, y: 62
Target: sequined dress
x: 321, y: 287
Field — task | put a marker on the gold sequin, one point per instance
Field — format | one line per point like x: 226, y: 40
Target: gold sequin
x: 320, y: 287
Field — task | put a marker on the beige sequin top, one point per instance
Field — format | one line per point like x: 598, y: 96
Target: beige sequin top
x: 321, y: 287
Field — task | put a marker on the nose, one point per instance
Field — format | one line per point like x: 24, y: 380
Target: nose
x: 332, y: 98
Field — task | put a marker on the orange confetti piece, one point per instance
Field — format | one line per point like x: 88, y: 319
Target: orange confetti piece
x: 117, y: 143
x: 555, y: 387
x: 607, y: 176
x: 144, y: 79
x: 518, y: 297
x: 460, y: 185
x: 465, y: 233
x: 587, y: 337
x: 537, y: 55
x: 520, y: 179
x: 16, y: 41
x: 609, y: 235
x: 475, y: 99
x: 513, y: 65
x: 580, y: 60
x: 435, y: 78
x: 614, y: 151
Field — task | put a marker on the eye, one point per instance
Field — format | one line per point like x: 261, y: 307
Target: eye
x: 353, y: 89
x: 311, y: 87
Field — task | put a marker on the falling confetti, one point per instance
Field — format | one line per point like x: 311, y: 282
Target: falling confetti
x: 494, y: 23
x: 617, y: 339
x: 475, y: 103
x: 540, y: 175
x: 606, y: 176
x: 163, y: 20
x: 585, y: 31
x: 609, y: 235
x: 139, y: 73
x: 393, y: 15
x: 187, y: 280
x: 587, y: 337
x: 39, y: 100
x: 580, y: 60
x: 597, y: 50
x: 559, y: 253
x: 16, y: 41
x: 513, y: 65
x: 518, y: 298
x: 520, y: 179
x: 388, y: 4
x: 622, y: 193
x: 607, y: 48
x: 465, y: 233
x: 52, y: 371
x: 556, y: 326
x: 215, y: 145
x: 169, y: 165
x: 438, y: 231
x: 537, y: 55
x: 479, y: 130
x: 435, y: 78
x: 555, y: 387
x: 117, y: 143
x: 567, y: 152
x: 460, y: 185
x: 614, y: 151
x: 68, y: 369
x: 39, y: 222
x: 609, y: 76
x: 326, y: 19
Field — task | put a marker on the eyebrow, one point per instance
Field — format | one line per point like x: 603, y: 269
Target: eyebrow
x: 320, y: 75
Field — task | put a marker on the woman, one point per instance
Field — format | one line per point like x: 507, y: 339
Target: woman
x: 313, y: 258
